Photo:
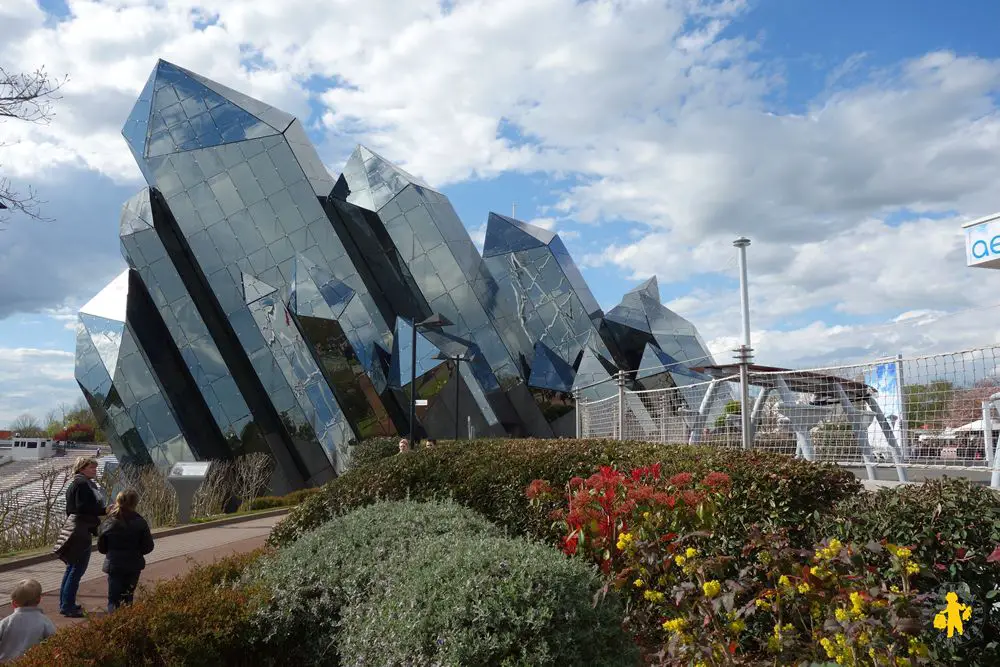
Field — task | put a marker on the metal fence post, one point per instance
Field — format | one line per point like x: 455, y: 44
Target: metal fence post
x: 578, y: 406
x: 621, y: 405
x: 744, y: 354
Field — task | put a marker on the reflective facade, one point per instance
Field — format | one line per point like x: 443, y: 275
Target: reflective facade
x: 269, y: 306
x: 119, y: 380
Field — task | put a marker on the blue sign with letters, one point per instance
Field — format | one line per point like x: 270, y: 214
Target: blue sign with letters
x: 982, y: 243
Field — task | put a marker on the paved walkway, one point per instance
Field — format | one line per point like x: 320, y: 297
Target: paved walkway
x: 173, y: 555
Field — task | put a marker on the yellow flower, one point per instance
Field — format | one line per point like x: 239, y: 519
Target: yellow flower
x: 857, y: 603
x: 653, y: 596
x: 828, y: 646
x: 645, y: 515
x: 639, y: 583
x: 783, y: 581
x: 700, y: 664
x: 894, y: 589
x: 674, y: 625
x: 903, y: 553
x: 680, y: 560
x: 841, y: 615
x: 762, y: 604
x: 831, y: 550
x: 624, y: 540
x: 691, y: 552
x: 804, y: 588
x: 738, y: 625
x: 940, y: 621
x: 912, y: 568
x: 711, y: 588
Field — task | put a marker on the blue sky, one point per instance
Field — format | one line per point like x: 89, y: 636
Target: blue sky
x: 849, y: 140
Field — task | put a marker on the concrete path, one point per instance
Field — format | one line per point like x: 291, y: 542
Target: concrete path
x: 173, y: 555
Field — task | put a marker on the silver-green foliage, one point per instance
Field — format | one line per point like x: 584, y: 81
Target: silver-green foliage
x: 475, y: 600
x: 309, y: 582
x: 433, y: 583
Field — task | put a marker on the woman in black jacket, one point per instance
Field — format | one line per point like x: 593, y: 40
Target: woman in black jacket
x: 84, y: 509
x: 124, y: 539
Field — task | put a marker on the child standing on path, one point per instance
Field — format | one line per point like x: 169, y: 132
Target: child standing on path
x: 28, y: 625
x: 125, y: 539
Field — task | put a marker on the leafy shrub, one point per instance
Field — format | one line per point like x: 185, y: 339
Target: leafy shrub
x: 200, y: 618
x: 783, y: 605
x: 603, y: 512
x: 472, y: 600
x: 490, y: 476
x: 308, y: 582
x: 951, y: 525
x: 373, y: 449
x: 689, y: 601
x: 271, y: 502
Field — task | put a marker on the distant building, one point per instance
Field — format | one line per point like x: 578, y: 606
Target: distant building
x: 26, y: 449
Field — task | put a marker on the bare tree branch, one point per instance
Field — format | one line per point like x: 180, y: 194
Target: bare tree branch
x: 253, y: 472
x: 25, y: 96
x: 28, y: 96
x: 26, y: 425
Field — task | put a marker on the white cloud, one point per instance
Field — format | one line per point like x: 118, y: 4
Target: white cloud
x: 34, y: 381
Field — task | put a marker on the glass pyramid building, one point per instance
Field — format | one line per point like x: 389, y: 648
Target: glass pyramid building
x: 269, y: 306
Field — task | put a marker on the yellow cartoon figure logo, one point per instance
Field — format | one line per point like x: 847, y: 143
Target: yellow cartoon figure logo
x: 954, y: 613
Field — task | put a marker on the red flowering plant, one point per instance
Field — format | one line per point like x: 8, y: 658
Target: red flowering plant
x: 636, y: 526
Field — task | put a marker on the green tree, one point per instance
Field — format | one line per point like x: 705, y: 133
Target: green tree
x: 732, y: 408
x: 927, y: 404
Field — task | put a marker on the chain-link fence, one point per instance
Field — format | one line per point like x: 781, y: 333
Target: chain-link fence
x: 935, y: 411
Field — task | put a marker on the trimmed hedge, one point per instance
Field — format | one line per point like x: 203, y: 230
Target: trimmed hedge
x: 198, y: 619
x: 471, y: 600
x: 272, y: 502
x: 432, y: 583
x: 373, y: 450
x: 309, y: 582
x: 490, y: 476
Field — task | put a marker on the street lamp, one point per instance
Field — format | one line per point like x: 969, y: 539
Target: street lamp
x: 456, y: 359
x: 435, y: 321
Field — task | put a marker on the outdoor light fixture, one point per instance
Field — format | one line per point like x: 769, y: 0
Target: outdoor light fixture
x: 435, y: 321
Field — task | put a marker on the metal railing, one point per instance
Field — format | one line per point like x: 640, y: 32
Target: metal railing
x: 937, y: 411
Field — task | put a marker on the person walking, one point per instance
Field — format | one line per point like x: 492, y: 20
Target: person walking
x: 124, y: 539
x: 84, y: 509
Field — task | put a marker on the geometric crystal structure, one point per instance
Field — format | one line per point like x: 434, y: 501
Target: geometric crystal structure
x: 270, y: 306
x: 553, y: 305
x: 451, y: 278
x: 120, y: 382
x: 640, y: 318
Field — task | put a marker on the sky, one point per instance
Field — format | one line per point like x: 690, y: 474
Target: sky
x: 848, y: 140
